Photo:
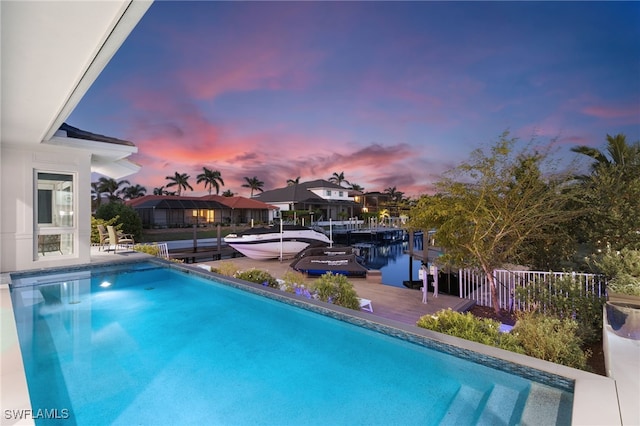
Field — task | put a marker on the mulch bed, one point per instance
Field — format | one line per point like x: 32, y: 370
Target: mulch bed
x: 595, y: 361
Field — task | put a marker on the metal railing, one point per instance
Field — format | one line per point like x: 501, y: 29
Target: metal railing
x: 474, y: 285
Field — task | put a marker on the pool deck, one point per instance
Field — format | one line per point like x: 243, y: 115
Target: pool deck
x: 595, y: 397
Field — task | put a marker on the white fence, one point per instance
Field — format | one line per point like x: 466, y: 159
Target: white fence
x: 474, y: 285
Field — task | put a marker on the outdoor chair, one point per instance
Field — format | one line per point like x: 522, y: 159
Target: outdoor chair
x: 118, y: 239
x: 104, y: 236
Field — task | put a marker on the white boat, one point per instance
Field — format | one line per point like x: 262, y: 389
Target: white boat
x: 271, y: 243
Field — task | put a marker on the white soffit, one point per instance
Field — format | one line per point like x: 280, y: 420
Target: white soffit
x: 52, y: 51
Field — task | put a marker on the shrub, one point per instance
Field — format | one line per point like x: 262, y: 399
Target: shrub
x: 622, y: 269
x: 566, y: 298
x: 228, y: 269
x: 336, y: 289
x: 464, y: 325
x: 534, y: 334
x: 291, y: 281
x: 551, y: 339
x: 257, y: 276
x: 127, y: 217
x: 151, y: 249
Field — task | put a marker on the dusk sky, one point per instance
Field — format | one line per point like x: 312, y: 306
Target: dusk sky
x: 390, y: 93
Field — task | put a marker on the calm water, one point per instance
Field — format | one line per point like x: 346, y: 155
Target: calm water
x: 154, y: 345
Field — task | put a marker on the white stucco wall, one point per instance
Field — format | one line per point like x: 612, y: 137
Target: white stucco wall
x: 17, y: 200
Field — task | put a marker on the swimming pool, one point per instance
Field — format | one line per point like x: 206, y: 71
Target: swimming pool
x: 143, y: 343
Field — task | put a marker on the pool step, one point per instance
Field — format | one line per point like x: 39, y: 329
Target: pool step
x: 472, y: 406
x: 463, y: 408
x: 546, y: 405
x: 498, y: 409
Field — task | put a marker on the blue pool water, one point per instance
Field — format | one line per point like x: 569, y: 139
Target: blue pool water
x: 153, y: 345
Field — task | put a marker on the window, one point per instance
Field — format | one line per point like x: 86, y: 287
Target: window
x: 328, y: 193
x: 340, y: 194
x: 55, y: 225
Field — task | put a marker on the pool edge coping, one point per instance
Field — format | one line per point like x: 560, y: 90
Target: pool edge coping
x: 595, y: 398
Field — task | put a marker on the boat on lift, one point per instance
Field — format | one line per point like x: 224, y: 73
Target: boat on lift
x: 276, y: 242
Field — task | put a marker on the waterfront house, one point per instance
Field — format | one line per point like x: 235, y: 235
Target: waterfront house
x: 320, y: 199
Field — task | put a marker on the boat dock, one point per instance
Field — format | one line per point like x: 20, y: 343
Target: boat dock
x: 379, y: 235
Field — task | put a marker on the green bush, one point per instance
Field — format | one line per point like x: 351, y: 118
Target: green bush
x: 292, y: 280
x: 534, y: 334
x: 464, y: 325
x: 127, y: 217
x: 257, y: 276
x: 551, y: 339
x: 336, y: 289
x: 228, y: 269
x: 566, y: 298
x: 151, y: 249
x: 622, y: 269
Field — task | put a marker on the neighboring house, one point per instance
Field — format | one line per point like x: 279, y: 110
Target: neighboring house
x: 46, y: 165
x: 170, y: 211
x: 325, y: 199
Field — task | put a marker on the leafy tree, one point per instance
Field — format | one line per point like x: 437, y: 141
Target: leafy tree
x: 211, y: 178
x: 128, y: 218
x: 181, y: 180
x: 356, y: 187
x: 111, y: 187
x: 228, y: 193
x: 486, y: 210
x: 338, y: 178
x: 132, y: 191
x: 254, y: 184
x: 612, y: 192
x: 291, y: 182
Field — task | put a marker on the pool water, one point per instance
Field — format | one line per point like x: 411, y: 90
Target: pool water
x: 154, y: 345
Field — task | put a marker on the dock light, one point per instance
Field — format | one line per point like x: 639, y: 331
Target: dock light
x: 105, y: 284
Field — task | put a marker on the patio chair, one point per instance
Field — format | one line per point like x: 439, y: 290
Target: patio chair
x: 117, y: 239
x: 104, y: 236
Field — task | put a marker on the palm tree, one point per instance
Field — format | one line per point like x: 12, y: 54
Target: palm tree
x: 618, y: 154
x: 338, y: 178
x: 291, y: 182
x: 254, y: 183
x: 133, y: 191
x: 95, y: 195
x: 211, y: 178
x: 111, y: 187
x: 228, y: 193
x: 181, y: 180
x: 356, y: 187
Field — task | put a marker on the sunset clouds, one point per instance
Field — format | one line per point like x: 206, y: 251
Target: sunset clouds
x: 390, y: 93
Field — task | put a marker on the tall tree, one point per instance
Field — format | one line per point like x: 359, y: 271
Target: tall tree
x: 96, y: 196
x: 111, y: 187
x: 338, y: 178
x: 254, y: 184
x: 181, y: 180
x: 488, y: 209
x: 211, y: 179
x: 132, y: 191
x: 291, y: 182
x: 612, y: 192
